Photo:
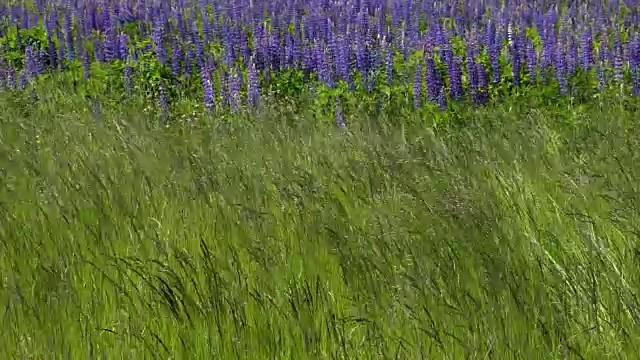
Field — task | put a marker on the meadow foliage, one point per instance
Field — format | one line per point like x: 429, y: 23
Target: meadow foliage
x: 392, y: 55
x: 319, y: 179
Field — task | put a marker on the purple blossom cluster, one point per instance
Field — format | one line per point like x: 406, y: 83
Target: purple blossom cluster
x: 466, y: 47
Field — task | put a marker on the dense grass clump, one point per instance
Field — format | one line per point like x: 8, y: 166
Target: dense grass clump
x: 509, y: 232
x: 318, y: 179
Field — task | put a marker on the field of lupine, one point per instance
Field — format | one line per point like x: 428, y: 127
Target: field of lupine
x: 310, y: 179
x: 228, y: 55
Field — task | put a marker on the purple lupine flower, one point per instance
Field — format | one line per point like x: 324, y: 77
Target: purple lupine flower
x: 339, y: 58
x: 634, y: 63
x: 388, y: 63
x: 11, y: 78
x: 296, y: 49
x: 442, y: 99
x: 81, y: 21
x: 182, y: 28
x: 229, y: 53
x: 322, y: 68
x: 521, y: 40
x: 618, y: 62
x: 603, y: 63
x: 233, y: 89
x: 69, y: 36
x: 471, y: 66
x: 360, y: 52
x: 432, y: 79
x: 374, y: 58
x: 289, y: 62
x: 207, y: 85
x: 158, y: 43
x: 123, y: 45
x: 23, y: 80
x: 176, y: 59
x: 586, y: 49
x: 51, y: 52
x: 600, y: 75
x: 417, y: 86
x: 40, y: 6
x: 104, y: 22
x: 51, y: 21
x: 455, y: 78
x: 494, y: 60
x: 188, y: 61
x: 204, y: 18
x: 40, y: 62
x: 342, y: 62
x: 128, y: 72
x: 446, y: 52
x: 109, y: 46
x: 246, y: 51
x: 308, y: 61
x: 253, y: 85
x: 548, y: 49
x: 92, y: 19
x: 199, y: 49
x: 572, y: 57
x: 30, y: 62
x: 561, y: 69
x: 98, y: 51
x: 274, y: 51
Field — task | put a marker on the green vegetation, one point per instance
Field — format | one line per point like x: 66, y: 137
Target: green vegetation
x: 508, y: 232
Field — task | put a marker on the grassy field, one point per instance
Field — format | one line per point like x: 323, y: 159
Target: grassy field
x: 512, y: 234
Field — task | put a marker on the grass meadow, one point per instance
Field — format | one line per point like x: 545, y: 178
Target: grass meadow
x: 510, y: 233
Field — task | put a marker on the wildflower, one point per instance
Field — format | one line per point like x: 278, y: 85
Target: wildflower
x: 561, y: 69
x: 123, y: 46
x: 108, y: 48
x: 233, y: 87
x: 30, y: 62
x: 127, y: 77
x: 602, y: 64
x: 417, y: 86
x: 207, y: 85
x: 586, y: 50
x: 618, y: 61
x: 432, y: 78
x: 253, y: 85
x: 634, y: 63
x: 176, y: 59
x: 158, y: 43
x: 322, y: 67
x: 455, y: 78
x: 572, y: 57
x: 388, y: 63
x: 69, y: 36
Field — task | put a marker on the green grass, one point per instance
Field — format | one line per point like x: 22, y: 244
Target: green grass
x: 511, y: 236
